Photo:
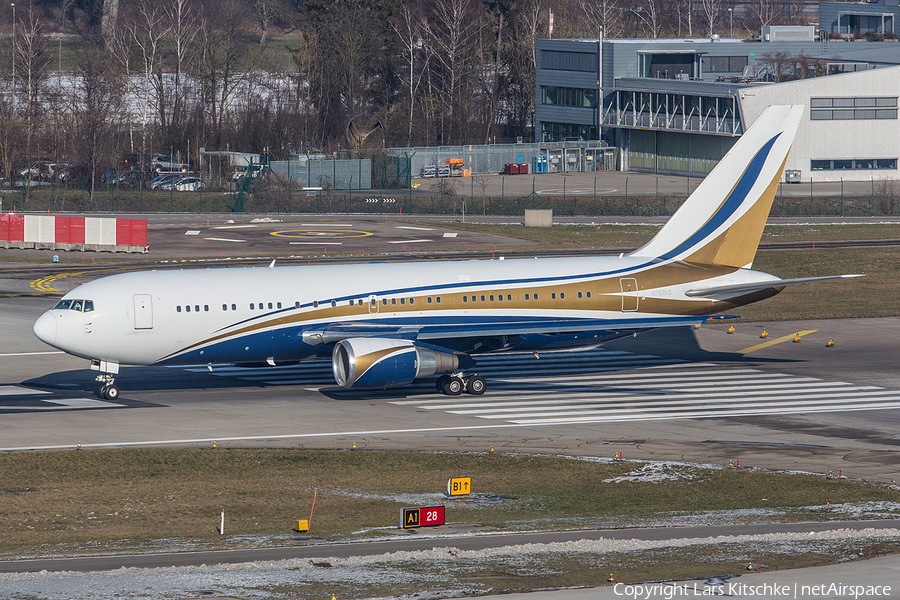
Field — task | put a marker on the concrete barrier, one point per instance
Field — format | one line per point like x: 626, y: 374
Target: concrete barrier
x: 85, y: 234
x: 538, y: 218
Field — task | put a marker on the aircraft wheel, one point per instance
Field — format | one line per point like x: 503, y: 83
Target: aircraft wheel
x: 111, y: 392
x: 475, y: 385
x: 453, y: 386
x: 441, y: 381
x: 102, y: 391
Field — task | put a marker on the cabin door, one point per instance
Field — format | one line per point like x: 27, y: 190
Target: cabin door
x: 143, y: 311
x: 629, y: 294
x: 373, y: 304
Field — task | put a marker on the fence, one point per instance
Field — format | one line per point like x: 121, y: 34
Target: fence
x: 73, y: 233
x: 276, y: 196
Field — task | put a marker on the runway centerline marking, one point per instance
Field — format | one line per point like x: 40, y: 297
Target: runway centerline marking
x: 407, y: 241
x: 780, y: 340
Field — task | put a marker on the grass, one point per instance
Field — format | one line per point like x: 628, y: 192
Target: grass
x: 62, y: 502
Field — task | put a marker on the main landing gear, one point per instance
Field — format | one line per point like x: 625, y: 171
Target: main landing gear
x: 456, y: 384
x: 108, y: 389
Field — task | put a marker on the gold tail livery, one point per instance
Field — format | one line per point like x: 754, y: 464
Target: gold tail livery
x: 386, y: 325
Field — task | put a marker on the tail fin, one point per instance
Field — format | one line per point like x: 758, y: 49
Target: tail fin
x: 722, y: 221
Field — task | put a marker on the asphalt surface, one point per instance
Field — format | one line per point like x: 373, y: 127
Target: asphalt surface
x: 837, y: 410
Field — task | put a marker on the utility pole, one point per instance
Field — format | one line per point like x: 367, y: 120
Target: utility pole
x: 731, y: 21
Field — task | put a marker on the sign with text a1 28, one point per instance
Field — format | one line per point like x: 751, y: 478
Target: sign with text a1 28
x: 425, y: 516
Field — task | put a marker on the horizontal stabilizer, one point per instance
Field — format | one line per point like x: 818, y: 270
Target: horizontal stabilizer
x: 757, y: 286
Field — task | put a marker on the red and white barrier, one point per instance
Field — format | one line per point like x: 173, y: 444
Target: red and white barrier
x: 73, y: 233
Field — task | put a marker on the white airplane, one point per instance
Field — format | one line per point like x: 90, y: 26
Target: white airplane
x: 386, y: 325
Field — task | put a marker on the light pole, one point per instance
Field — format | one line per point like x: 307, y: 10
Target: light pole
x: 14, y: 60
x: 731, y: 21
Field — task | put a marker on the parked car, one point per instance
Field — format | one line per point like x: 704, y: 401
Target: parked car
x: 161, y: 163
x: 164, y: 179
x: 185, y: 184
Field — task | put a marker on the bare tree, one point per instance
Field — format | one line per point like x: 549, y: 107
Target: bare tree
x: 409, y: 28
x: 761, y: 13
x: 109, y: 21
x: 711, y: 10
x: 888, y: 193
x: 606, y: 14
x: 648, y: 14
x: 96, y: 105
x: 147, y: 34
x: 453, y: 33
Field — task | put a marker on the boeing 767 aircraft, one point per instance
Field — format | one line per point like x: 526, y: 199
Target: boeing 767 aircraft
x: 386, y: 325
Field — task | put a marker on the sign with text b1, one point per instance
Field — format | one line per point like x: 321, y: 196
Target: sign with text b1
x: 426, y: 516
x: 459, y: 486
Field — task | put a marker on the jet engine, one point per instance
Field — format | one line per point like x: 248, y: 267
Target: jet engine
x: 374, y: 363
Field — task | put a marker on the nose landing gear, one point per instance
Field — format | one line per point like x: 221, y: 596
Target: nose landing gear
x: 456, y: 384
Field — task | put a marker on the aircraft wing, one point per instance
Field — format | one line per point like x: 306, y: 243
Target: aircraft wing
x: 756, y: 286
x: 500, y: 327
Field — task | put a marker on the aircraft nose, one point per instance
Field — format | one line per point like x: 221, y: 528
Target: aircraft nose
x: 45, y: 328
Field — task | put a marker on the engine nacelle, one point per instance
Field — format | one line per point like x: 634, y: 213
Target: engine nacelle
x: 374, y: 363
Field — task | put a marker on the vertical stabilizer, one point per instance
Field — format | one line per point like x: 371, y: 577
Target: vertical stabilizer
x: 722, y: 221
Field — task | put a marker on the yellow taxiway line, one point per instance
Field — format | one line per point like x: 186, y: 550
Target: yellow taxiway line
x: 784, y: 338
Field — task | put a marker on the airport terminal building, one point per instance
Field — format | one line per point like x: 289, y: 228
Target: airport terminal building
x: 677, y: 105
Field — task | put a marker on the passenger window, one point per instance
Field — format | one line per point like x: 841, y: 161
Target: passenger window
x: 527, y: 297
x: 428, y: 300
x: 251, y: 306
x: 296, y: 305
x: 278, y: 305
x: 588, y: 294
x: 492, y: 298
x: 465, y: 298
x: 412, y: 300
x: 402, y: 300
x: 509, y: 297
x: 393, y: 301
x: 579, y: 295
x: 333, y: 304
x: 187, y: 308
x: 500, y: 297
x: 482, y: 298
x: 206, y: 308
x: 177, y: 309
x: 196, y: 308
x: 535, y: 296
x: 224, y: 307
x: 270, y: 305
x: 234, y: 307
x: 315, y: 304
x: 553, y: 296
x: 373, y: 302
x: 562, y: 295
x: 88, y: 305
x: 438, y: 299
x: 351, y: 302
x: 384, y: 301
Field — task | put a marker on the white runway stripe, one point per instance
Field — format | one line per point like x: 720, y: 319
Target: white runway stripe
x: 601, y: 386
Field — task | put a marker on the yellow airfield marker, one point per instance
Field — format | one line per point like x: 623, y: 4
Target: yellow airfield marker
x: 780, y: 340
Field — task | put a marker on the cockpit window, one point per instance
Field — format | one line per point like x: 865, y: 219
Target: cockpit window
x: 79, y: 305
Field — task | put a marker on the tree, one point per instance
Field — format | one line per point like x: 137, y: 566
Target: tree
x: 606, y: 14
x: 409, y: 27
x: 711, y: 10
x: 96, y: 106
x: 648, y: 15
x: 453, y: 34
